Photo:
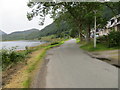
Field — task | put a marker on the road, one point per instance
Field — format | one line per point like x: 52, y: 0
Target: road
x: 71, y: 67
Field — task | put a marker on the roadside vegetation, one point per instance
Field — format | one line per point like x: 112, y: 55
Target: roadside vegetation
x: 108, y: 42
x: 100, y: 47
x: 31, y: 56
x: 77, y: 40
x: 12, y: 57
x: 38, y: 58
x: 112, y: 40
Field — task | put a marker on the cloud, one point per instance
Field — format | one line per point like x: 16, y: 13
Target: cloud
x: 13, y: 16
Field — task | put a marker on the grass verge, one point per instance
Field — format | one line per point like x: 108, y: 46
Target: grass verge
x: 99, y: 47
x: 23, y: 77
x: 77, y: 40
x: 32, y: 66
x: 38, y: 58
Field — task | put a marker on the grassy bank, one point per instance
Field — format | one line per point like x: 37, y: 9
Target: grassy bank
x: 22, y: 79
x: 39, y: 58
x: 99, y: 47
x: 77, y: 40
x: 12, y: 57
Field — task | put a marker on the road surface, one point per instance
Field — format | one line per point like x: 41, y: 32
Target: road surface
x: 70, y: 67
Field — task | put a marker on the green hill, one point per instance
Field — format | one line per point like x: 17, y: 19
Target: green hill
x: 20, y: 35
x: 55, y: 29
x: 52, y: 29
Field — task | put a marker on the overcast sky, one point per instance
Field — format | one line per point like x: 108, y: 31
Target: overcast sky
x: 13, y: 16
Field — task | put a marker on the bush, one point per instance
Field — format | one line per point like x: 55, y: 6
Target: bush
x: 10, y: 57
x: 103, y: 40
x: 114, y: 39
x: 28, y: 50
x: 54, y: 43
x: 110, y: 40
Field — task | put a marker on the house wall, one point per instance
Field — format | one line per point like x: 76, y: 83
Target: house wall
x: 104, y: 32
x: 118, y: 27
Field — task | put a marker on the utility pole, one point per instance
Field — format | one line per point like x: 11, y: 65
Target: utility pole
x: 95, y: 32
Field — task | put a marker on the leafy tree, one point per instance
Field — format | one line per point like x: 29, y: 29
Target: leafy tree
x: 80, y: 13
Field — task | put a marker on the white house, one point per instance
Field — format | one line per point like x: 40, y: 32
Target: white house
x: 112, y: 24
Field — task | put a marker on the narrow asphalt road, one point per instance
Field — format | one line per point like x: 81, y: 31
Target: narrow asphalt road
x: 70, y: 67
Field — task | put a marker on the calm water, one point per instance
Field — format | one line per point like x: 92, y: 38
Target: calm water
x: 20, y: 45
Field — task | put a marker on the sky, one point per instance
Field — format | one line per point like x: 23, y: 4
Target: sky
x: 13, y: 16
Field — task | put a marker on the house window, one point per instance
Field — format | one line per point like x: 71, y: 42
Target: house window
x: 112, y: 21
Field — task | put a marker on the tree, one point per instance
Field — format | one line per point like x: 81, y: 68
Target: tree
x: 81, y: 13
x: 75, y: 9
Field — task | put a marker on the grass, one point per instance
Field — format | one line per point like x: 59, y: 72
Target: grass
x: 32, y: 66
x: 11, y: 57
x: 23, y: 78
x: 26, y: 83
x: 77, y: 40
x: 38, y: 58
x: 50, y: 46
x: 99, y: 47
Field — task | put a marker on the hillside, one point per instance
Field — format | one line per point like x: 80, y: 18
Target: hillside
x: 55, y: 29
x: 2, y: 33
x: 52, y: 29
x: 21, y: 35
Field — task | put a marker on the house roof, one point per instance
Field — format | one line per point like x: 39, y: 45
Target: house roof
x: 117, y: 16
x: 115, y: 23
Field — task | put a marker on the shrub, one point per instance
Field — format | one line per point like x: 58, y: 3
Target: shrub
x: 114, y: 39
x: 10, y: 57
x: 103, y: 40
x: 110, y: 40
x: 54, y: 43
x: 28, y: 50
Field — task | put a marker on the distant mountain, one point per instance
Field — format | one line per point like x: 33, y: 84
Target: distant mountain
x: 52, y: 29
x: 2, y: 33
x: 24, y: 32
x: 21, y: 35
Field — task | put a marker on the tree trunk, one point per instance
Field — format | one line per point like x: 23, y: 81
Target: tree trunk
x: 80, y: 32
x: 88, y: 34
